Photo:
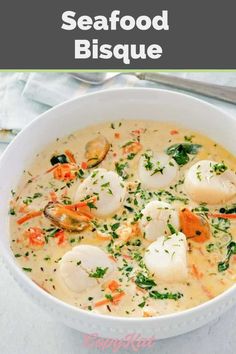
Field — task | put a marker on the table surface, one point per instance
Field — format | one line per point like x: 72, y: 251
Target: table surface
x: 26, y: 329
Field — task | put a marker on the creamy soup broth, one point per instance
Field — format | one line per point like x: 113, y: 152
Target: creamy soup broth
x: 131, y: 289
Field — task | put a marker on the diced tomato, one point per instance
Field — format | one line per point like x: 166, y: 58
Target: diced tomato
x: 113, y: 285
x: 174, y: 132
x: 60, y: 236
x: 117, y: 135
x: 84, y: 165
x: 138, y: 132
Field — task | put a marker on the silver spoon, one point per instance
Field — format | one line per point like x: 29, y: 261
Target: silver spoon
x: 225, y: 93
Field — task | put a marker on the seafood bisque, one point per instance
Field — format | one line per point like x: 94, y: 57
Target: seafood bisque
x: 129, y: 218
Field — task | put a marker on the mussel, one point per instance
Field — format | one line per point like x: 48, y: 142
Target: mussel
x: 65, y: 218
x: 96, y: 150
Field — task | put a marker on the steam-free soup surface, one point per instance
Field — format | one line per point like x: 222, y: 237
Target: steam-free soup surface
x: 121, y: 281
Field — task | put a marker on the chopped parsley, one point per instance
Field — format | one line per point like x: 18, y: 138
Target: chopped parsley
x: 121, y: 169
x: 162, y: 296
x: 27, y: 269
x: 231, y: 249
x: 99, y: 273
x: 219, y: 168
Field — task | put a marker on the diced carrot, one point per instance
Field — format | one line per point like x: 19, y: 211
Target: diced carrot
x: 174, y: 132
x: 30, y: 215
x: 126, y: 256
x: 35, y: 236
x: 52, y: 168
x: 61, y: 237
x: 222, y: 216
x: 65, y: 172
x: 84, y: 165
x: 23, y: 208
x: 207, y: 292
x: 41, y: 286
x: 196, y: 273
x: 117, y: 135
x: 113, y: 285
x: 76, y: 205
x: 194, y: 226
x: 134, y: 147
x: 137, y: 132
x: 115, y: 299
x: 53, y: 196
x: 70, y: 156
x: 112, y: 258
x: 82, y: 204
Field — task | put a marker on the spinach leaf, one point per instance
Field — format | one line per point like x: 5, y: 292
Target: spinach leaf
x: 180, y: 152
x: 231, y: 249
x: 58, y: 159
x: 144, y: 282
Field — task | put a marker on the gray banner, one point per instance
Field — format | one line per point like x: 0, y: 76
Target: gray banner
x: 201, y: 34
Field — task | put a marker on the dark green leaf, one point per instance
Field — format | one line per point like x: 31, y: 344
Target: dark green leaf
x: 144, y: 282
x: 180, y: 152
x: 58, y: 159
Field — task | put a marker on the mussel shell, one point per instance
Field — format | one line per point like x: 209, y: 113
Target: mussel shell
x: 65, y: 218
x: 96, y: 150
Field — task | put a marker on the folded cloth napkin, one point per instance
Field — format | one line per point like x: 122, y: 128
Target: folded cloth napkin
x: 23, y: 96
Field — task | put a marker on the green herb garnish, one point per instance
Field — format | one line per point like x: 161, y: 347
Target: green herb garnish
x: 180, y: 152
x: 172, y: 229
x: 120, y: 169
x: 219, y: 168
x: 162, y: 296
x: 99, y: 273
x: 144, y: 282
x: 27, y: 269
x: 231, y: 249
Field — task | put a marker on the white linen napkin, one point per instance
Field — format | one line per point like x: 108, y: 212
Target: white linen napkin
x: 23, y: 96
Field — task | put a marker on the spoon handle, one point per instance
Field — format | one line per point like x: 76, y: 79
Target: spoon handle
x: 225, y: 93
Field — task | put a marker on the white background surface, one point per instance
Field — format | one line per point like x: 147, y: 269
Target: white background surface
x: 26, y: 329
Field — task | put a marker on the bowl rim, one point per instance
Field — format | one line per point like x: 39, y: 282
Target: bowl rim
x: 23, y: 278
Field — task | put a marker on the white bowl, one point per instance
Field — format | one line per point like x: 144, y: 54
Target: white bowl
x: 68, y: 117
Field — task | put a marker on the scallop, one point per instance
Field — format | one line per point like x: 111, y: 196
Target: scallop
x: 155, y: 219
x: 109, y: 189
x: 210, y: 182
x: 85, y: 266
x: 166, y: 258
x: 156, y: 170
x: 96, y: 150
